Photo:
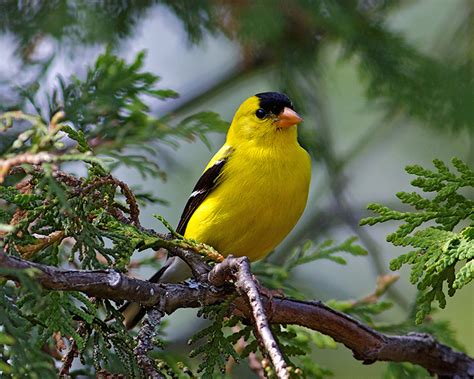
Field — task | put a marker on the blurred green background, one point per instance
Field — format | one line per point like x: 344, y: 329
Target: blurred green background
x: 381, y: 84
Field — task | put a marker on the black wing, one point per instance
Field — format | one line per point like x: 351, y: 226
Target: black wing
x: 206, y: 183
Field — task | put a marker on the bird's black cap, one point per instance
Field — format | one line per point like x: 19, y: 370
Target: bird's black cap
x: 274, y: 102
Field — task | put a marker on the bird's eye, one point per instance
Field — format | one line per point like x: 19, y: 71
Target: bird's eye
x: 260, y: 113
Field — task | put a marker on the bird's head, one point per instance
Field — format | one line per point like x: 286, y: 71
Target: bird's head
x: 264, y: 117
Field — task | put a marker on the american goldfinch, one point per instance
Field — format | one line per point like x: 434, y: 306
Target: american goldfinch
x: 252, y: 192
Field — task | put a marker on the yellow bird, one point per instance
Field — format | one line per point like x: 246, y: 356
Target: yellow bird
x: 252, y: 192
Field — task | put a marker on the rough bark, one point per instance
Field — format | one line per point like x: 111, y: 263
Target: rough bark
x: 367, y: 344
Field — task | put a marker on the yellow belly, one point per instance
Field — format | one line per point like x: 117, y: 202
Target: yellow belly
x: 256, y: 204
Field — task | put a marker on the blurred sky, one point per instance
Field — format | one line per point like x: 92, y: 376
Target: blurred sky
x: 375, y: 173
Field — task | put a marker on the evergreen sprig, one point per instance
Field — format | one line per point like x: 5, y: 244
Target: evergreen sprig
x: 218, y: 346
x: 111, y: 345
x: 109, y: 103
x: 443, y: 253
x: 52, y: 312
x: 19, y: 356
x: 110, y: 110
x: 327, y: 250
x: 109, y: 107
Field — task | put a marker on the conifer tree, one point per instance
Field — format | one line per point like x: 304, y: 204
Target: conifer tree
x: 69, y: 226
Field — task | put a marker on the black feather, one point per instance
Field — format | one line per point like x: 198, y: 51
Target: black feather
x: 206, y: 183
x: 274, y: 102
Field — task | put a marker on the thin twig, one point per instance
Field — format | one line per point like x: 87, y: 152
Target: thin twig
x: 145, y: 343
x: 186, y: 252
x: 239, y: 270
x: 34, y: 159
x: 124, y: 188
x: 72, y: 352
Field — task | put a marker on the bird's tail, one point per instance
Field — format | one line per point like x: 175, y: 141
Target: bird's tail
x: 174, y: 271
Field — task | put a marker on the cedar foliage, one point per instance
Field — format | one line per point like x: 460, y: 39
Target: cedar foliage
x: 442, y: 256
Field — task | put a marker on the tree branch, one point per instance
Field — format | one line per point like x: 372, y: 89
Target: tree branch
x: 34, y: 159
x: 72, y: 352
x: 367, y: 344
x: 370, y: 346
x: 238, y: 269
x: 187, y: 252
x: 145, y: 342
x: 110, y: 284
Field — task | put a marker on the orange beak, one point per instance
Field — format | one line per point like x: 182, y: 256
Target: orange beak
x: 288, y: 117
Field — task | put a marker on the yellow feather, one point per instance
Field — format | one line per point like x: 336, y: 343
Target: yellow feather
x: 260, y: 194
x: 262, y: 190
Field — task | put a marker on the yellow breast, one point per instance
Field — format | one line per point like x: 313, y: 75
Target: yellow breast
x: 261, y: 195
